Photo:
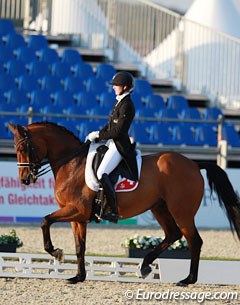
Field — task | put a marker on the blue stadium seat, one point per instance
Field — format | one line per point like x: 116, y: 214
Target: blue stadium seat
x: 74, y: 109
x: 86, y: 100
x: 2, y: 97
x: 23, y: 108
x: 71, y: 57
x: 47, y: 55
x: 205, y: 136
x: 230, y: 134
x: 146, y: 113
x: 16, y: 97
x: 38, y: 69
x: 6, y: 54
x: 142, y: 87
x: 14, y: 41
x: 160, y: 134
x: 155, y: 101
x: 60, y: 70
x: 63, y: 99
x: 211, y: 113
x: 98, y: 111
x: 2, y: 70
x: 105, y: 71
x: 6, y: 82
x: 96, y: 86
x: 69, y: 125
x: 139, y: 133
x: 37, y: 42
x: 51, y: 83
x: 136, y: 98
x: 4, y: 132
x: 87, y: 126
x: 83, y: 71
x: 39, y: 98
x: 7, y: 107
x: 21, y: 120
x: 50, y: 111
x: 183, y: 135
x: 107, y: 100
x: 73, y: 85
x: 6, y: 27
x: 15, y: 68
x: 25, y: 54
x: 192, y: 114
x: 27, y: 83
x: 177, y: 102
x: 168, y: 114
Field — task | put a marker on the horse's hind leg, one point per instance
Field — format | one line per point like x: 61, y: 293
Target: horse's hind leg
x: 171, y: 231
x: 79, y: 231
x: 194, y: 244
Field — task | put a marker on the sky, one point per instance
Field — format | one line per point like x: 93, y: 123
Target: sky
x: 180, y: 6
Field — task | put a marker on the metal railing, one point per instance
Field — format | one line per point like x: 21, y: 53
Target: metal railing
x: 221, y: 153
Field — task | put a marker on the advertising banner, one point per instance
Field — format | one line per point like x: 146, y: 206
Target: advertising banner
x: 20, y: 203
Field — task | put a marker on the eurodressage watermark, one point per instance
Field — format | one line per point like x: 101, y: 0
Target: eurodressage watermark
x: 168, y: 295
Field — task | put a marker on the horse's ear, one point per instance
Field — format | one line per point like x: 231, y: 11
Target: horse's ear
x: 11, y: 127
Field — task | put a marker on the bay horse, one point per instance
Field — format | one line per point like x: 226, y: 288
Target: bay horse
x: 170, y: 185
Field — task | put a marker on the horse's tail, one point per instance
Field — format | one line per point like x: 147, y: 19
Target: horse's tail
x: 228, y: 199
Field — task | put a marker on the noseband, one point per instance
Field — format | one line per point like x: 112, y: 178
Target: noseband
x: 33, y: 165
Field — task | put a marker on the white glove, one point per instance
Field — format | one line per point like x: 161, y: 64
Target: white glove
x: 92, y: 136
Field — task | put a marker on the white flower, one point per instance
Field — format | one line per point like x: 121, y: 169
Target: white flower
x: 146, y: 242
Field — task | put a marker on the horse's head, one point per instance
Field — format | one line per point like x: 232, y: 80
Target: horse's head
x: 29, y: 161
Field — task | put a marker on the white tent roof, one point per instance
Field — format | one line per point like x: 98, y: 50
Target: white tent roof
x: 221, y: 15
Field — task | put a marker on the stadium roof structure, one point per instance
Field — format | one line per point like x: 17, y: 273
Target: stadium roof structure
x: 220, y: 15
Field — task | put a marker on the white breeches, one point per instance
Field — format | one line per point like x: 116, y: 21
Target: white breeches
x: 110, y: 161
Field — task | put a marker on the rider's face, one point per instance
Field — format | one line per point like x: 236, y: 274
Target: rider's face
x: 118, y: 89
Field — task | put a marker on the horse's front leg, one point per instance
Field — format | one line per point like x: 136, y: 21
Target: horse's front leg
x: 66, y: 214
x: 79, y: 231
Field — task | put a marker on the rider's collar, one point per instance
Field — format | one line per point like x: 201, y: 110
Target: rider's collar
x: 120, y: 97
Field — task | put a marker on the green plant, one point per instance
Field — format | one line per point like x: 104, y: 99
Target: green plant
x: 11, y: 238
x: 146, y: 242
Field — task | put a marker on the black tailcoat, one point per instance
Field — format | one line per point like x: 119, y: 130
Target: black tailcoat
x: 117, y: 129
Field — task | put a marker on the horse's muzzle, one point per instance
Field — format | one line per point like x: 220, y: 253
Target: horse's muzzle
x: 25, y: 181
x: 30, y: 179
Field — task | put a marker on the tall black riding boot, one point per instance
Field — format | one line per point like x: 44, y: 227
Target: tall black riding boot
x: 111, y: 199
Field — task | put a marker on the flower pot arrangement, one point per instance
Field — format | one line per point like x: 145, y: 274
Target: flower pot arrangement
x: 10, y: 242
x: 139, y: 246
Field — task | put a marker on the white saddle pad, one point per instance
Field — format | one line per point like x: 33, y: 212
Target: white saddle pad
x: 123, y: 184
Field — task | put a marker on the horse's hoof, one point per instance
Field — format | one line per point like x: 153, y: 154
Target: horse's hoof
x: 187, y: 281
x: 76, y: 279
x: 58, y: 254
x: 181, y: 284
x: 145, y: 271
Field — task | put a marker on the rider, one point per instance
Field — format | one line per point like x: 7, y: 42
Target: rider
x: 115, y: 132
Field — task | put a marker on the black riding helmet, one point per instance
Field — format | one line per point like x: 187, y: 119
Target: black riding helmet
x: 122, y: 78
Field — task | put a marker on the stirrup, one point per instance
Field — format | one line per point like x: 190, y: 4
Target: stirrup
x: 112, y: 217
x: 99, y: 218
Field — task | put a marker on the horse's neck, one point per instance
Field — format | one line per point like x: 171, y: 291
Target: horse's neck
x: 61, y: 145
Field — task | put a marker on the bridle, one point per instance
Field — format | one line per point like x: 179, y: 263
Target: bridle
x: 34, y: 165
